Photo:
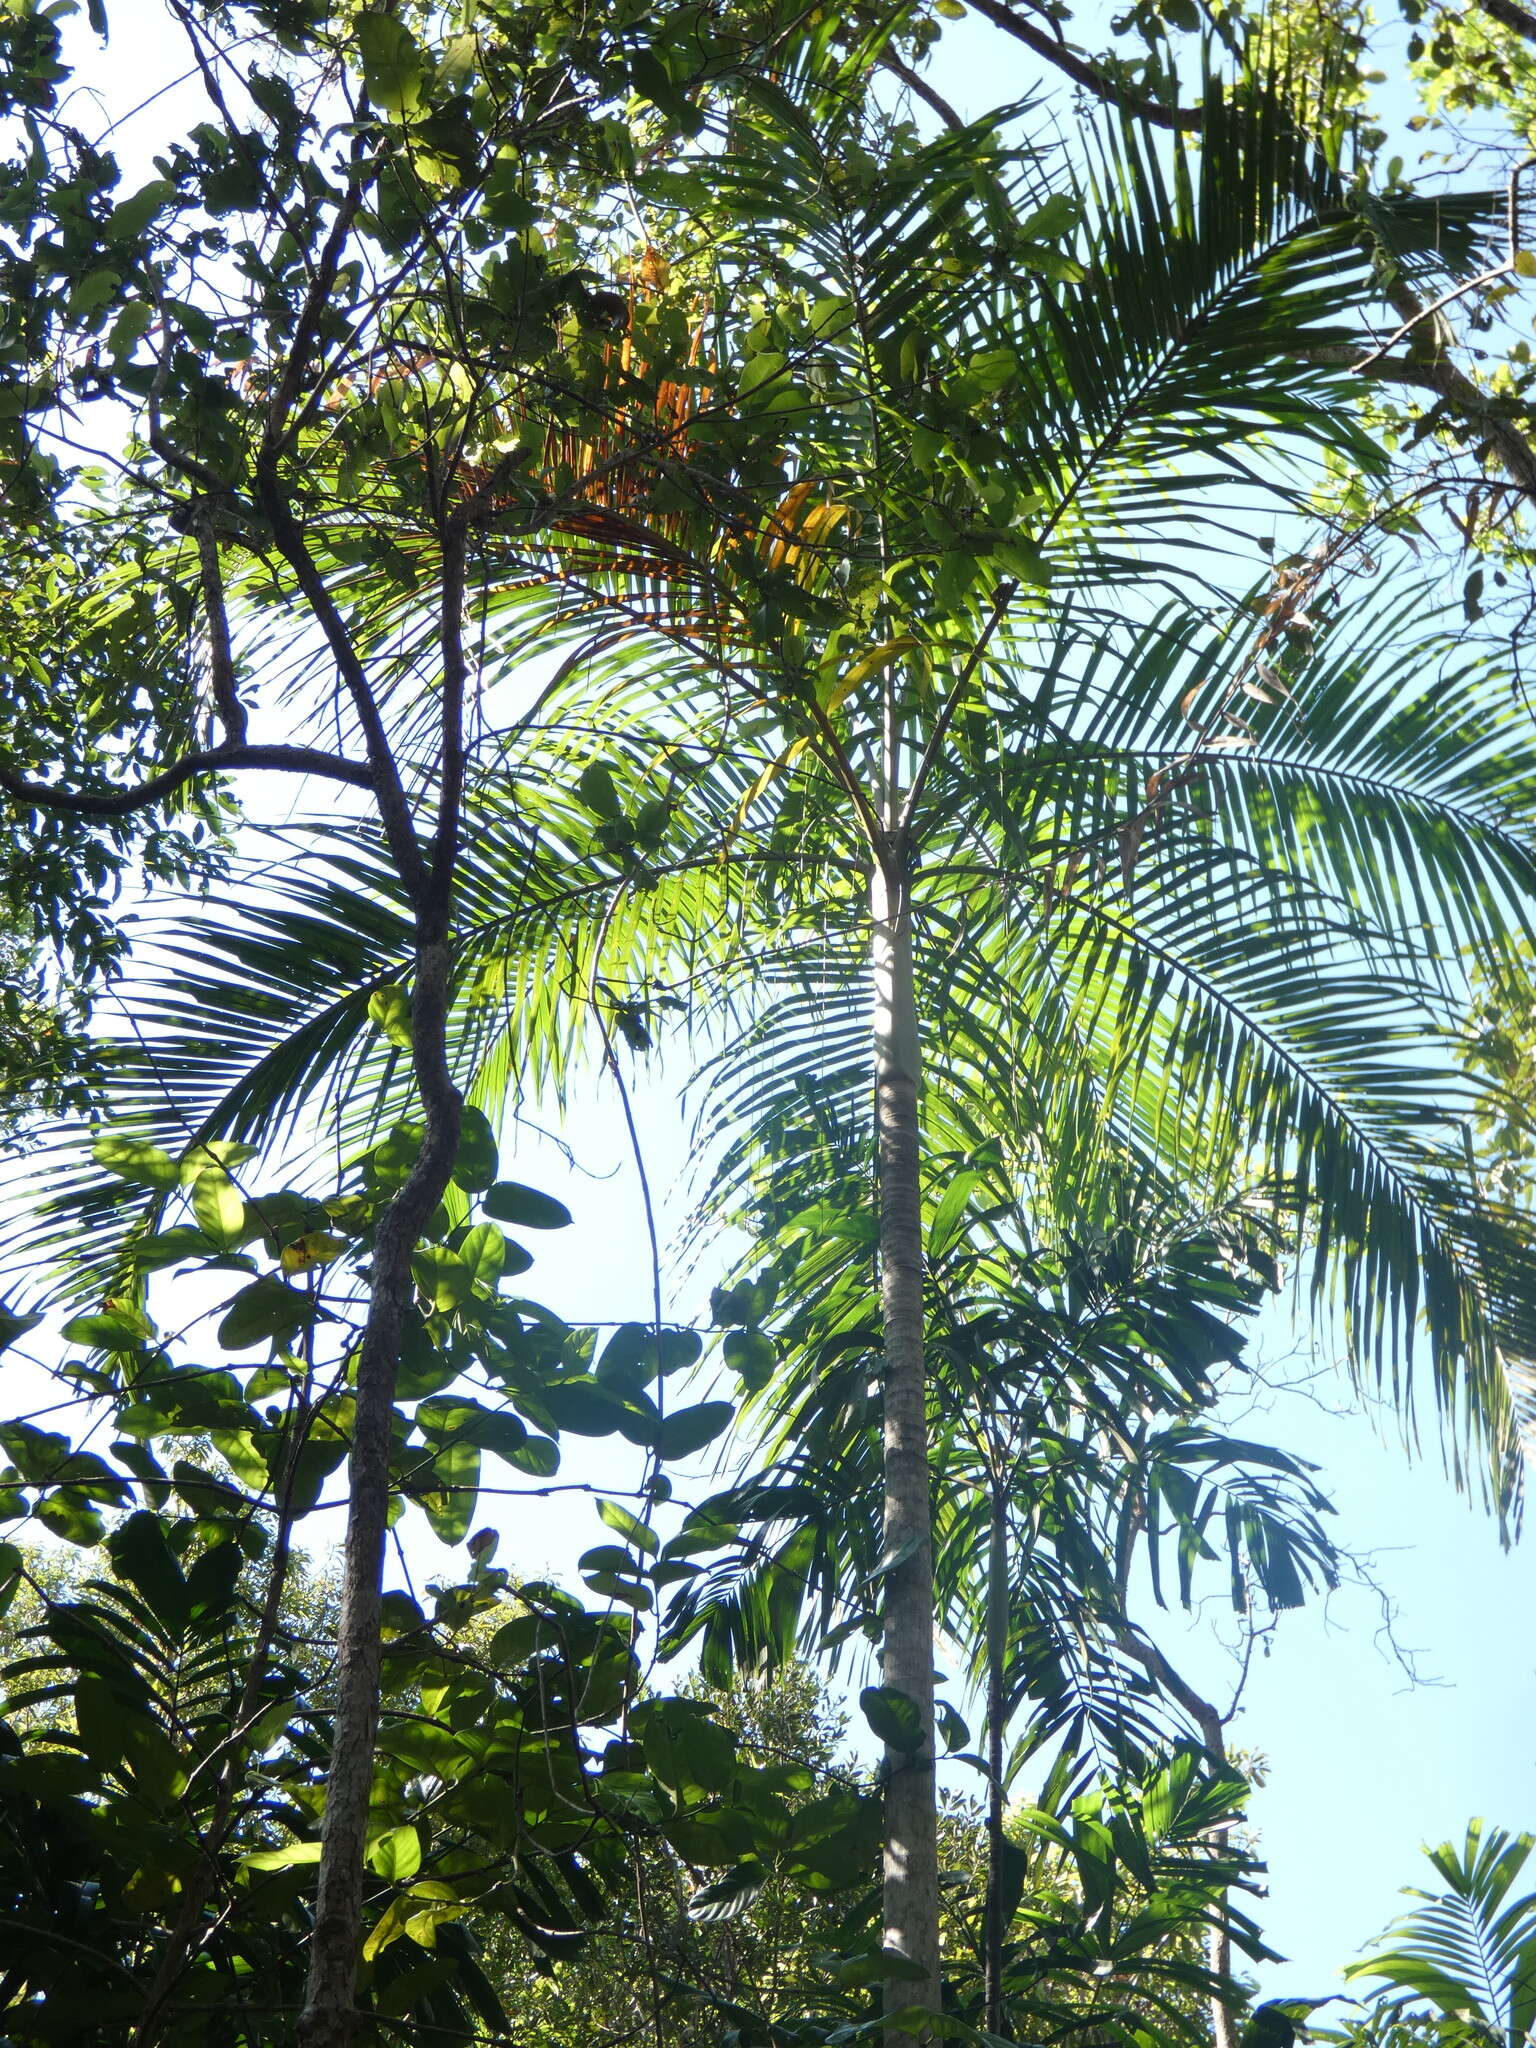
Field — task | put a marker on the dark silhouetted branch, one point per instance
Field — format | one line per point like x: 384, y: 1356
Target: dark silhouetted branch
x: 1082, y: 71
x: 925, y: 92
x: 122, y: 803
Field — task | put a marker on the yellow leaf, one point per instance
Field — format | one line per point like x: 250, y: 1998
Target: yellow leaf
x: 655, y: 270
x: 866, y: 666
x: 384, y: 1931
x: 759, y: 783
x: 285, y: 1858
x: 408, y: 1912
x: 817, y: 526
x: 774, y: 545
x: 312, y: 1249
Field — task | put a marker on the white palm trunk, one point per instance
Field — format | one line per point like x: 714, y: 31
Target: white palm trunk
x: 911, y: 1870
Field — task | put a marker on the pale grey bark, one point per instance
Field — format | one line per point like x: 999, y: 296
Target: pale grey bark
x: 911, y: 1864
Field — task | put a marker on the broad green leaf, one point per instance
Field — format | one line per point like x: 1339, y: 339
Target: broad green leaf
x: 597, y: 790
x: 69, y: 1513
x: 474, y: 1165
x: 690, y: 1429
x: 213, y: 1583
x: 265, y: 1311
x: 763, y: 372
x: 442, y: 1276
x: 752, y: 1354
x: 539, y: 1456
x: 213, y: 1155
x: 449, y: 1497
x: 686, y: 1748
x: 136, y: 1160
x: 396, y: 1854
x: 142, y: 1556
x: 510, y: 1202
x: 629, y: 1358
x: 952, y: 1728
x: 1024, y: 562
x: 392, y: 65
x: 170, y: 1248
x: 239, y: 1450
x: 629, y: 1526
x: 118, y: 1328
x: 219, y: 1207
x: 582, y: 1405
x: 483, y: 1250
x: 894, y: 1716
x: 833, y: 319
x: 729, y: 1895
x: 13, y: 1326
x: 393, y: 1157
x: 504, y: 200
x: 389, y: 1010
x: 615, y: 1586
x: 1059, y: 215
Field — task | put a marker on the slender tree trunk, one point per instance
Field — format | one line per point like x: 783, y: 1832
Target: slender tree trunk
x: 1218, y: 1941
x: 1219, y: 1953
x: 995, y: 1927
x: 328, y: 2017
x: 911, y: 1860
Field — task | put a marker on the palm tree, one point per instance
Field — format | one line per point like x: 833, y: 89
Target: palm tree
x: 1074, y: 1456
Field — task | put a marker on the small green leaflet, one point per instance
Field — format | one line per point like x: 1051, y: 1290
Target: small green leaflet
x: 629, y: 1526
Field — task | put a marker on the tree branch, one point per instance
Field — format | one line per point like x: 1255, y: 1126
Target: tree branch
x: 1510, y: 16
x: 1002, y: 598
x: 1213, y: 1734
x: 384, y: 773
x: 1440, y: 375
x: 221, y: 662
x: 1082, y: 71
x: 925, y: 92
x: 121, y: 803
